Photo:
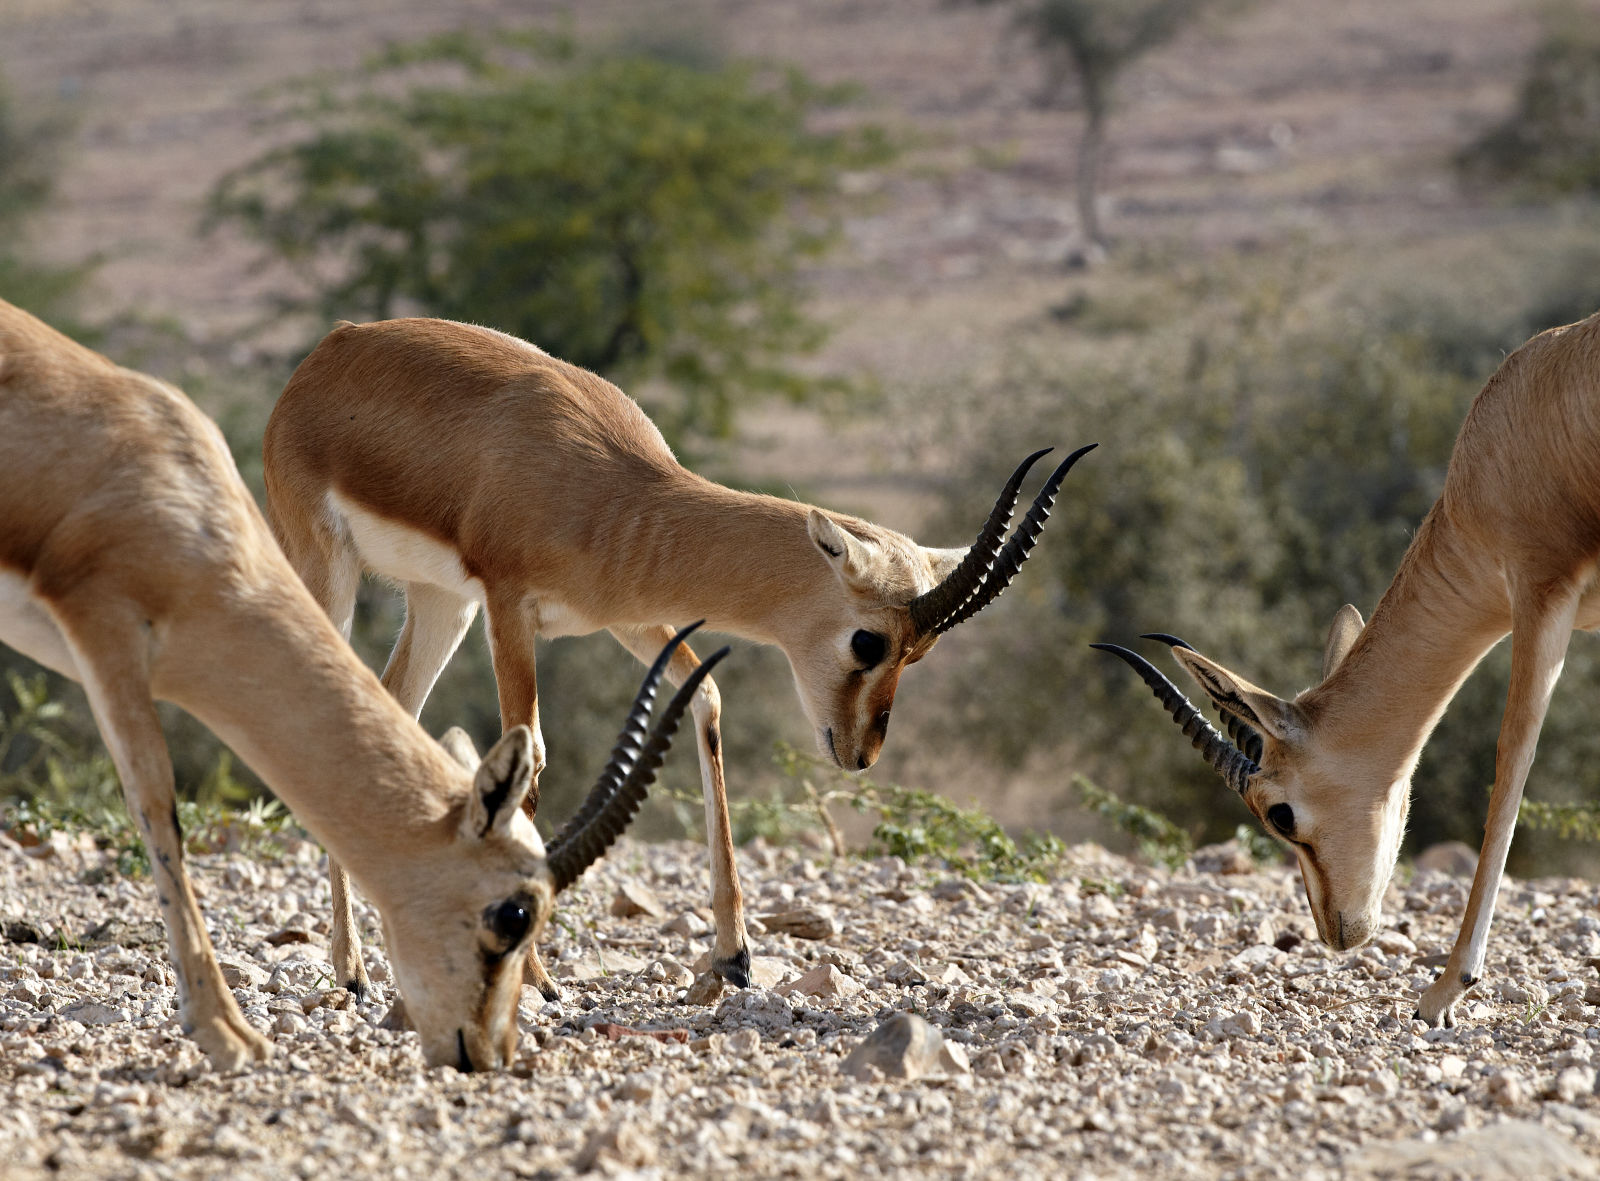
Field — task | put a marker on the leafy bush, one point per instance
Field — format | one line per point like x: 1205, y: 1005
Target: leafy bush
x: 1264, y: 460
x: 640, y: 217
x: 1551, y: 140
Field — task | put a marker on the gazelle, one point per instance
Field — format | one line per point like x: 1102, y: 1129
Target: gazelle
x: 1511, y: 546
x: 133, y: 560
x: 474, y: 468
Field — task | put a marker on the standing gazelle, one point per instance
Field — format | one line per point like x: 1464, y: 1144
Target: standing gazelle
x: 1512, y: 545
x: 133, y: 560
x: 471, y: 467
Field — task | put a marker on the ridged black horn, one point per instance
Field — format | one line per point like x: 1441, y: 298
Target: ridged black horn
x: 1243, y: 734
x: 989, y: 567
x: 1227, y: 760
x: 928, y: 608
x: 623, y: 785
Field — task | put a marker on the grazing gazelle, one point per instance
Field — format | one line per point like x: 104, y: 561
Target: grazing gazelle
x: 473, y: 468
x: 133, y: 560
x: 1511, y: 546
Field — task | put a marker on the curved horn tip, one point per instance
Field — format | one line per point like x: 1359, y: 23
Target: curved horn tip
x: 1169, y: 639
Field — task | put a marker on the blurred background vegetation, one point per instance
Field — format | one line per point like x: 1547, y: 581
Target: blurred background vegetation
x: 1275, y: 410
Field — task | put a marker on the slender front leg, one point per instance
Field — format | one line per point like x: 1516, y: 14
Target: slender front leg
x: 115, y: 670
x: 731, y: 956
x: 1540, y: 632
x: 512, y: 632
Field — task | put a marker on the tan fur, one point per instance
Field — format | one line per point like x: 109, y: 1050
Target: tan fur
x: 568, y: 514
x: 140, y: 566
x: 1511, y: 547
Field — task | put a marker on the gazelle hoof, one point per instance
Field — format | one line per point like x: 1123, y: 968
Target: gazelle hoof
x: 735, y: 969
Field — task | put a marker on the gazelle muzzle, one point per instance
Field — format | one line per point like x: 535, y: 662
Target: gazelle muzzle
x: 1221, y: 755
x: 626, y: 778
x: 989, y: 566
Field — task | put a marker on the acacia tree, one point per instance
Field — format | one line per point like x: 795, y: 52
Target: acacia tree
x: 639, y: 217
x: 1085, y: 46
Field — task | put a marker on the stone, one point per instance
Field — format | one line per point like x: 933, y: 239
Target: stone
x: 671, y: 972
x: 620, y: 1144
x: 93, y: 1012
x: 635, y: 898
x: 238, y: 974
x: 1229, y: 857
x: 1507, y: 1088
x: 286, y: 935
x: 903, y: 1047
x: 1513, y: 1150
x: 744, y: 1043
x: 824, y: 980
x: 802, y: 923
x: 688, y: 924
x: 706, y: 989
x: 1455, y: 858
x: 1245, y: 1024
x: 1574, y: 1083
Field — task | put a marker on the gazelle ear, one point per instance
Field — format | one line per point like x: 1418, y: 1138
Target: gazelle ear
x: 1254, y: 706
x: 501, y: 783
x: 459, y: 747
x: 850, y: 557
x: 1342, y: 636
x: 941, y: 562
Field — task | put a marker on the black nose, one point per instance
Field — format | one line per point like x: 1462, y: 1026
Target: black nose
x: 861, y: 762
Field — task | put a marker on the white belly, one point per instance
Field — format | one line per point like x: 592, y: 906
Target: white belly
x: 404, y: 554
x: 27, y: 626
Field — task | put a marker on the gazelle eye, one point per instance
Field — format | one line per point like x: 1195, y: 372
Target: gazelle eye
x: 508, y: 922
x: 869, y: 648
x: 1281, y: 817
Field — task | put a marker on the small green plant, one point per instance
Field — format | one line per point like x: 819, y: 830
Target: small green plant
x: 54, y: 778
x: 1159, y: 840
x: 1573, y: 822
x: 1263, y: 849
x: 914, y: 824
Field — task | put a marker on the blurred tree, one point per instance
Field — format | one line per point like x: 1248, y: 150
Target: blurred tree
x: 1551, y: 139
x: 1086, y: 45
x: 640, y: 217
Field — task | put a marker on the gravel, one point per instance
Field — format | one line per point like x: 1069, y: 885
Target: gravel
x: 1119, y: 1022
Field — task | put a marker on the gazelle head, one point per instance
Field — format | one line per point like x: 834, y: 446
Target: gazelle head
x: 1341, y: 812
x: 896, y: 599
x: 477, y: 902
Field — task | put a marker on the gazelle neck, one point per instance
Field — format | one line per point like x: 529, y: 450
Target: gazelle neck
x: 741, y: 561
x: 296, y: 703
x: 1442, y: 613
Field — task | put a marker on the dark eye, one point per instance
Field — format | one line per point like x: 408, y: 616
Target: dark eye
x: 868, y: 647
x: 1281, y: 817
x: 507, y: 922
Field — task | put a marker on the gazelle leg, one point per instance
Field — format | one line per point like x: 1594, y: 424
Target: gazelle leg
x: 512, y: 632
x: 730, y: 957
x: 114, y: 664
x: 435, y: 622
x: 1540, y: 632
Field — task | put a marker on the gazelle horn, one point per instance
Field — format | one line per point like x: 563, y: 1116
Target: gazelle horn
x: 623, y: 784
x: 1243, y: 734
x: 1227, y: 760
x: 988, y: 567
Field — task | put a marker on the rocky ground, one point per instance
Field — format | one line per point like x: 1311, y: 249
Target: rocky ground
x: 1120, y: 1021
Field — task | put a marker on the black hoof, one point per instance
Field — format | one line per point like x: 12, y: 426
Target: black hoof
x: 1416, y: 1014
x: 552, y: 994
x: 736, y: 970
x: 357, y: 989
